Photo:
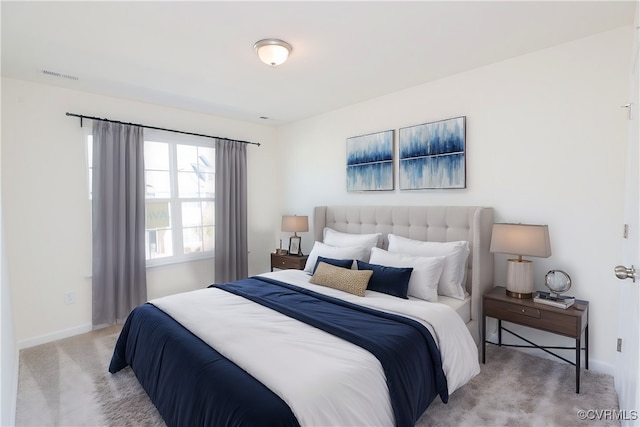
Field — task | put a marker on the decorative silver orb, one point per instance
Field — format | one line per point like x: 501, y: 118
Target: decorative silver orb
x: 557, y: 281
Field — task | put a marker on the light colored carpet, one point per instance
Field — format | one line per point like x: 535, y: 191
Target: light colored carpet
x: 517, y: 389
x: 66, y: 383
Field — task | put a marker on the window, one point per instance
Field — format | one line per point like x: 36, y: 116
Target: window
x: 180, y: 197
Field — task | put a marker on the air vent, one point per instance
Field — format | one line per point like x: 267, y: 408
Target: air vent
x: 60, y: 75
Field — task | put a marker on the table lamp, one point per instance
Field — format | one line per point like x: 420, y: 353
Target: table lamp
x: 521, y: 240
x: 295, y: 223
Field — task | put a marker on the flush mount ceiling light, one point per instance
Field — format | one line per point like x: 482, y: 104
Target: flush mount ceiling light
x: 272, y: 51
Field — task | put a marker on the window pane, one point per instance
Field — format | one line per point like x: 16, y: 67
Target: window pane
x: 208, y: 213
x: 192, y: 184
x: 158, y: 243
x: 192, y: 214
x: 205, y: 170
x: 188, y: 184
x: 156, y: 156
x: 158, y: 215
x: 192, y: 239
x: 207, y: 158
x: 158, y: 184
x: 198, y: 165
x: 207, y: 185
x: 187, y: 158
x: 209, y: 238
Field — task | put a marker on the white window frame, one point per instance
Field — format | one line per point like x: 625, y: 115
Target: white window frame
x: 175, y: 201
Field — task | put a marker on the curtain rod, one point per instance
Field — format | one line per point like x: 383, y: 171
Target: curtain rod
x: 157, y: 128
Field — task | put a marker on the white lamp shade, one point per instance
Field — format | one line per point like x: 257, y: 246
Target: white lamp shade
x: 272, y: 51
x: 521, y: 240
x: 295, y: 223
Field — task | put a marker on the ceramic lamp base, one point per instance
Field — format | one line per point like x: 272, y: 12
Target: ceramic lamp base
x: 520, y: 278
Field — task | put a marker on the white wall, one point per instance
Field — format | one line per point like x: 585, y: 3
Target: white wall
x: 47, y: 211
x: 9, y: 354
x: 545, y: 144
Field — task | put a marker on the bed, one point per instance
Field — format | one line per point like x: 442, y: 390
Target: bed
x: 277, y: 349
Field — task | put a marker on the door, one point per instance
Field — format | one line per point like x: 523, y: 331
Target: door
x: 628, y: 359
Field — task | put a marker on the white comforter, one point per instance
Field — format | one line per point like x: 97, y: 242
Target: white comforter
x: 324, y: 380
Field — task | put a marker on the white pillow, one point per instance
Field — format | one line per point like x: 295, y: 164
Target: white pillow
x: 337, y: 238
x: 327, y: 251
x: 424, y: 277
x: 455, y: 264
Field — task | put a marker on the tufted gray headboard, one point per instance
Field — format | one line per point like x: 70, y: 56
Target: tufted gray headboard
x: 428, y: 223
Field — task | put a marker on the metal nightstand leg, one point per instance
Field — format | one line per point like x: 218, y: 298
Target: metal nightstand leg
x: 483, y: 338
x: 586, y: 347
x: 578, y: 353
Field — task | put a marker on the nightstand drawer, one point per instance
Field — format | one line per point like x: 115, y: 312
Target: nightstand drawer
x: 285, y: 262
x: 525, y: 311
x: 511, y: 312
x: 282, y: 262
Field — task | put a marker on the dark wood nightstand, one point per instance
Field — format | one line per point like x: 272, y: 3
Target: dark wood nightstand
x: 288, y: 262
x: 571, y: 322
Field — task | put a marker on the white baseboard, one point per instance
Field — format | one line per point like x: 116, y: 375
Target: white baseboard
x: 58, y: 335
x: 602, y: 367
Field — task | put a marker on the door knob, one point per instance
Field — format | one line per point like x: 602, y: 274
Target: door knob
x: 623, y: 272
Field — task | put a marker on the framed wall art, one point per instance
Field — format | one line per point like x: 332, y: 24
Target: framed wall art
x: 370, y: 162
x: 432, y: 155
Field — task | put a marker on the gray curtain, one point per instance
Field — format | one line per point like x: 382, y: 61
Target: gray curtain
x: 119, y: 266
x: 231, y: 247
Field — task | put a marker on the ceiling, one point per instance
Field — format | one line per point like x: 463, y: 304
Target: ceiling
x: 199, y: 55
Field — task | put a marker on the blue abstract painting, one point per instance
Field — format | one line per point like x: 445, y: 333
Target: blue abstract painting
x: 432, y: 155
x: 370, y: 162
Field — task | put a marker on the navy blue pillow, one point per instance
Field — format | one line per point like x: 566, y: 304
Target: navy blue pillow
x: 344, y: 263
x: 388, y: 280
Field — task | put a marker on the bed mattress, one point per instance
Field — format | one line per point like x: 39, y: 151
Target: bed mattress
x: 461, y: 307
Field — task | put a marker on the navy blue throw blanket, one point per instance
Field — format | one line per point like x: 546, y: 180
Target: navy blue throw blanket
x: 190, y: 383
x: 408, y: 354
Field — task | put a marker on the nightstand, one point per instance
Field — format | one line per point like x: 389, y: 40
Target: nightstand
x: 288, y: 262
x: 571, y: 322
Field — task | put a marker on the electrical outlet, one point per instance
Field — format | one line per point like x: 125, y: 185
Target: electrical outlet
x: 69, y: 297
x: 619, y: 345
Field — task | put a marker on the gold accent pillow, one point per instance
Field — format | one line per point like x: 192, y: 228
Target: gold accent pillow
x: 352, y: 281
